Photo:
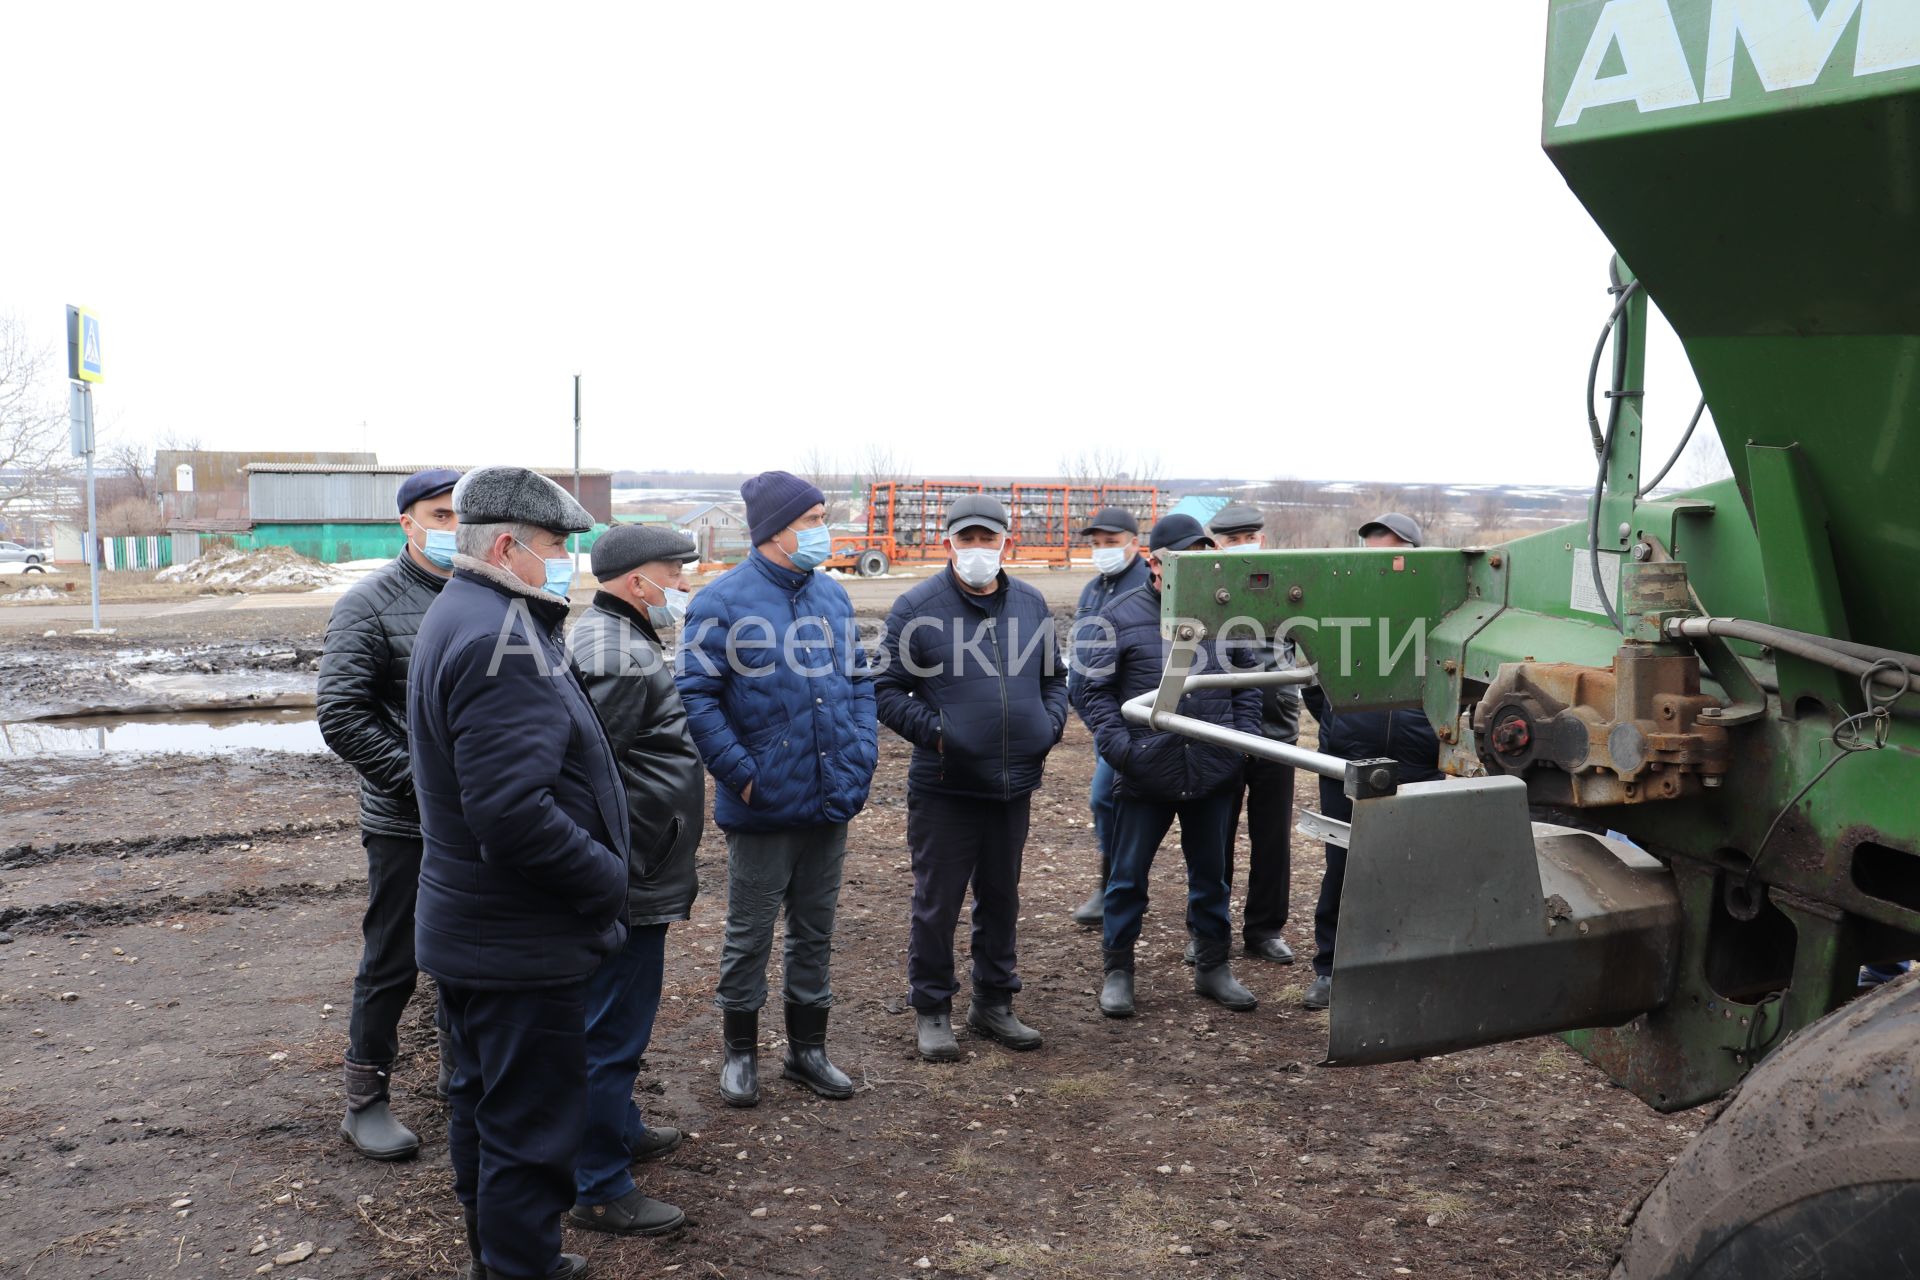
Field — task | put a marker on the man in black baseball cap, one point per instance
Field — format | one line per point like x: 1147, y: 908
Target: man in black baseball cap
x: 1268, y: 798
x: 362, y: 710
x: 1391, y: 530
x: 1115, y: 536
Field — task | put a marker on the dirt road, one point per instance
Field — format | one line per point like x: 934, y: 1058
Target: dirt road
x: 173, y: 1009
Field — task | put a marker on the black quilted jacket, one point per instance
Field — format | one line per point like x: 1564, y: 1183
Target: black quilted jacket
x: 363, y: 689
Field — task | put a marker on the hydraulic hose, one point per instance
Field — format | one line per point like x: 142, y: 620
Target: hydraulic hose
x: 1617, y: 324
x: 1857, y: 660
x: 1678, y: 449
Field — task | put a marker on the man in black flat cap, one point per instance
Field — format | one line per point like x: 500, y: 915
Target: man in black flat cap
x: 1120, y: 567
x: 1268, y: 797
x: 362, y: 710
x: 1164, y: 776
x: 524, y: 875
x: 971, y: 675
x: 619, y: 655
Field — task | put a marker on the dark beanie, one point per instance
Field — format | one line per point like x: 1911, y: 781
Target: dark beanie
x: 775, y: 499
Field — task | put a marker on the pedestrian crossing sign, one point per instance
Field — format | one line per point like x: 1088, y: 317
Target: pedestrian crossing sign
x: 83, y: 346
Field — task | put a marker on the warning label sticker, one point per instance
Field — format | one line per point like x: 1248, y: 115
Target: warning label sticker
x: 1584, y: 598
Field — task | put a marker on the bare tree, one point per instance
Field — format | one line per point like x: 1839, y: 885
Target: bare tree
x: 1704, y: 461
x: 1094, y: 466
x: 822, y: 470
x: 879, y: 463
x: 33, y: 423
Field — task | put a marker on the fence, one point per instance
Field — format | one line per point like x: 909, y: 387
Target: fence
x: 133, y: 553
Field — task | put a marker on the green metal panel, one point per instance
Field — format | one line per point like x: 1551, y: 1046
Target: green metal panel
x: 335, y: 543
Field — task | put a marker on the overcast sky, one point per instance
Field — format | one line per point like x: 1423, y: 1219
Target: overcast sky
x: 1256, y: 239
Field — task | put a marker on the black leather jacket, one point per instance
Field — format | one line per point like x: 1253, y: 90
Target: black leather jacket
x: 362, y: 696
x: 628, y: 675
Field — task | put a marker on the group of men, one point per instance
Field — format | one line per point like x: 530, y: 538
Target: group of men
x: 532, y: 797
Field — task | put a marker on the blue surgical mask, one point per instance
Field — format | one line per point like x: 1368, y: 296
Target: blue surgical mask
x: 559, y: 572
x: 673, y: 612
x: 811, y: 549
x: 439, y: 548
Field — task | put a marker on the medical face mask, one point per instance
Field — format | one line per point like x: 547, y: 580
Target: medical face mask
x: 811, y: 548
x: 439, y: 548
x: 1110, y: 560
x: 673, y: 612
x: 559, y: 572
x: 976, y: 566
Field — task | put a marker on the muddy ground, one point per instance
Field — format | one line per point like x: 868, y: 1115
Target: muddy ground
x: 173, y: 1008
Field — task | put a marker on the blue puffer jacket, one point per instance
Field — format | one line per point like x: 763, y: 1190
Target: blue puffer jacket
x: 976, y: 684
x: 521, y: 806
x: 778, y: 694
x: 1124, y: 659
x: 1099, y: 592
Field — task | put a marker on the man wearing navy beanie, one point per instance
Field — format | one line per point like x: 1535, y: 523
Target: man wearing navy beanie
x: 779, y: 699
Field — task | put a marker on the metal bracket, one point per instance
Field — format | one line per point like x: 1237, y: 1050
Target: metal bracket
x: 1370, y: 779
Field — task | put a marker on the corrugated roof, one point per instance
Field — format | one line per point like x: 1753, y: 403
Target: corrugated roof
x: 384, y: 468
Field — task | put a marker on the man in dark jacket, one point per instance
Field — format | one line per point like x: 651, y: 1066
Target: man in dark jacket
x: 780, y: 701
x: 971, y: 676
x: 523, y: 882
x: 1164, y: 776
x: 1268, y: 801
x: 1403, y: 736
x: 619, y: 657
x: 1119, y: 568
x: 363, y: 717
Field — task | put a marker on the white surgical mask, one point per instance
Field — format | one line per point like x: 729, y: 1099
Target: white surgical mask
x: 976, y: 566
x: 1110, y: 560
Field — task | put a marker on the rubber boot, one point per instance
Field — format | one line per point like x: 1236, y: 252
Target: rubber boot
x: 476, y: 1269
x: 1090, y: 913
x: 1116, y: 990
x: 992, y: 1016
x: 1213, y: 978
x: 807, y: 1061
x: 444, y: 1083
x: 933, y: 1035
x: 369, y: 1124
x: 740, y: 1073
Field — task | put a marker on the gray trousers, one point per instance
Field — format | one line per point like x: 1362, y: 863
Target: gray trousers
x: 800, y: 870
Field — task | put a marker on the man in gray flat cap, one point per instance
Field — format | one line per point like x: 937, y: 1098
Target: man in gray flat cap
x: 1268, y: 798
x: 523, y: 879
x: 622, y: 660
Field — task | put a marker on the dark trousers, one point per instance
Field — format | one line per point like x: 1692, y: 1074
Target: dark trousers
x: 798, y: 870
x: 386, y: 978
x: 957, y: 840
x: 1206, y: 835
x: 1268, y: 802
x: 518, y: 1109
x: 1326, y: 915
x: 622, y: 998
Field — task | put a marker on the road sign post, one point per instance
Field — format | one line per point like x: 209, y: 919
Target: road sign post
x: 84, y: 368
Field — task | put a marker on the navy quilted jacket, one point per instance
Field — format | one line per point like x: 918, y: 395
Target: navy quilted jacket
x: 523, y: 878
x: 976, y: 684
x: 778, y: 694
x: 1123, y: 659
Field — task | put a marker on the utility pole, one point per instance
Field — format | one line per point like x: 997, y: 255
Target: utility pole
x: 576, y: 467
x: 83, y: 370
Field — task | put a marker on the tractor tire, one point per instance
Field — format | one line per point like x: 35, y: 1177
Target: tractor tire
x: 1813, y: 1167
x: 871, y: 564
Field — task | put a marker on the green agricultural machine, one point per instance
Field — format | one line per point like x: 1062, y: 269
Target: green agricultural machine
x: 1683, y: 737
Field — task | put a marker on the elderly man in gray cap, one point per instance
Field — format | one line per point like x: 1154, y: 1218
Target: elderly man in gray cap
x: 620, y: 656
x: 1268, y: 798
x: 524, y: 877
x: 972, y: 676
x: 362, y: 710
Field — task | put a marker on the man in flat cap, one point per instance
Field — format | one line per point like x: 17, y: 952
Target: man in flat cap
x: 620, y: 657
x: 1164, y: 776
x: 1119, y: 568
x: 1404, y: 736
x: 971, y: 675
x: 524, y: 879
x: 1268, y: 798
x: 362, y: 710
x: 780, y: 701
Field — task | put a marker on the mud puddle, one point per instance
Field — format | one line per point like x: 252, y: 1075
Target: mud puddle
x: 283, y: 729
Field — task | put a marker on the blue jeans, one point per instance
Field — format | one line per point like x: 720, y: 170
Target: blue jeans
x: 622, y: 997
x: 1102, y: 801
x: 1206, y: 838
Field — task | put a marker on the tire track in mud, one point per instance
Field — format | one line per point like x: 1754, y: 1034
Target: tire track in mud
x: 55, y: 916
x: 21, y: 856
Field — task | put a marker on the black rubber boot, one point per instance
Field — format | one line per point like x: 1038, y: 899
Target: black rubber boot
x: 933, y: 1035
x: 369, y: 1124
x: 992, y: 1016
x: 1213, y: 978
x: 1090, y: 914
x: 807, y: 1061
x: 740, y: 1073
x: 476, y: 1269
x: 633, y: 1214
x: 1116, y: 991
